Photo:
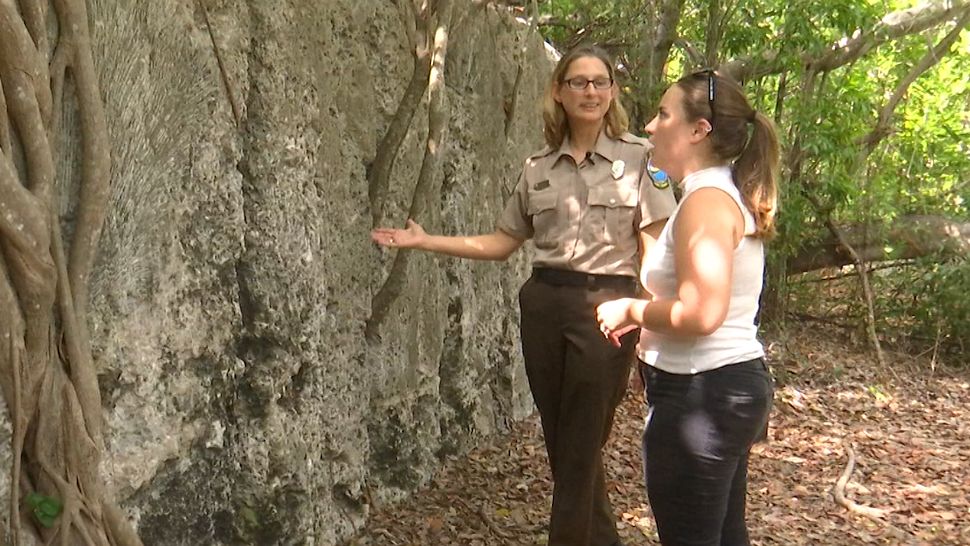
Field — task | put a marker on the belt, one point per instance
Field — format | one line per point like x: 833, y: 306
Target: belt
x: 564, y: 277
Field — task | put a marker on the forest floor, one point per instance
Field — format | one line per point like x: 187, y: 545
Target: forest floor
x: 908, y: 428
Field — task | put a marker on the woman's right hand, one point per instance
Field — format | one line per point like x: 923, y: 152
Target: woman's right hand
x: 410, y: 237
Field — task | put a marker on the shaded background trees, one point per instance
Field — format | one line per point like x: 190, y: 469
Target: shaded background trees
x: 874, y: 111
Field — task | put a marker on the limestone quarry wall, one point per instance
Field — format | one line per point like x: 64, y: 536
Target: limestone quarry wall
x: 243, y: 403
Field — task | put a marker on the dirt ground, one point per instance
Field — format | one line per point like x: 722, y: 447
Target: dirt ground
x: 906, y: 427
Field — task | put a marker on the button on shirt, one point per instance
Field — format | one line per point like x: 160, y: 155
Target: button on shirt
x: 586, y: 217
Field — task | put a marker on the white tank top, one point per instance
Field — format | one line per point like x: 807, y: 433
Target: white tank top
x: 736, y: 339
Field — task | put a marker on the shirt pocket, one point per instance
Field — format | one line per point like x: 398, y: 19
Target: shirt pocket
x: 615, y: 207
x: 542, y: 210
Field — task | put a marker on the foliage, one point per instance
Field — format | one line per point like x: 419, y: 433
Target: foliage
x: 936, y: 310
x: 46, y: 509
x: 825, y: 117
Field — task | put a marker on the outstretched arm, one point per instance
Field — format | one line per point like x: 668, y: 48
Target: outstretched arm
x: 492, y: 246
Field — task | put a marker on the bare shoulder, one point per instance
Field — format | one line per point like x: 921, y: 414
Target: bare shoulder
x: 711, y: 208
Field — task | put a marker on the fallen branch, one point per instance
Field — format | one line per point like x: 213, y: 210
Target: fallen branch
x: 907, y: 262
x: 861, y: 269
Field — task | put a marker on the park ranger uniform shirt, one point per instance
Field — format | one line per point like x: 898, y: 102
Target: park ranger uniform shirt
x: 586, y: 217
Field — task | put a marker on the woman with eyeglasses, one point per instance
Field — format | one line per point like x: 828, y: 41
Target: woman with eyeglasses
x: 587, y: 206
x: 708, y: 389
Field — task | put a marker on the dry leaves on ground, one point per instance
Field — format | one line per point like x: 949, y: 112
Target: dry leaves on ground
x: 907, y: 427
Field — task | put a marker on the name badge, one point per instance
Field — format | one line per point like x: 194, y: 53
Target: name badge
x: 616, y: 169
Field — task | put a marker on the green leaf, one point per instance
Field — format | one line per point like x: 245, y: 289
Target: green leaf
x: 46, y: 509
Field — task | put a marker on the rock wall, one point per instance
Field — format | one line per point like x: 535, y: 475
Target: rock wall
x: 235, y: 276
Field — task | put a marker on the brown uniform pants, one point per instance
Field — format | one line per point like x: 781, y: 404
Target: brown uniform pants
x: 577, y: 379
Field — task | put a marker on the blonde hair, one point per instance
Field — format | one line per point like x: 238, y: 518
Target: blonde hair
x: 755, y: 156
x: 556, y: 123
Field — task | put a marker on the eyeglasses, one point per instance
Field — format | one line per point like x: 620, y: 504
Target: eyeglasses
x: 579, y: 83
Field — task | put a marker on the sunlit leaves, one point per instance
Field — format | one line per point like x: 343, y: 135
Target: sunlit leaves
x: 920, y: 165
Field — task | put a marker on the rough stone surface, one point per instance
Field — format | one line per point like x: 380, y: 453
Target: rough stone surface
x: 243, y: 404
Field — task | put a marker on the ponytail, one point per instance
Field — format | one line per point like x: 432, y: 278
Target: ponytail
x: 755, y: 174
x: 739, y: 134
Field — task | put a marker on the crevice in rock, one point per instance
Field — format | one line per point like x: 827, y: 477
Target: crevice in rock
x: 456, y: 423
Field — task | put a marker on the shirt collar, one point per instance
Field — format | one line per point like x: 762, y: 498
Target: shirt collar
x: 605, y: 147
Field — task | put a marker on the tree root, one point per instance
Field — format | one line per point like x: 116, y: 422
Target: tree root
x: 47, y: 373
x: 438, y: 114
x: 838, y: 491
x: 875, y: 514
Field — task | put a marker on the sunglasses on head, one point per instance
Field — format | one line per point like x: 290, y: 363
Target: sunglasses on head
x: 711, y: 81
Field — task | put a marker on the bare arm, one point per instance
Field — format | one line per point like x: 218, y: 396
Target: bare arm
x: 497, y: 245
x: 706, y: 231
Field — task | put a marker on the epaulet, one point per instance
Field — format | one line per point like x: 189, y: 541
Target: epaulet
x: 633, y: 139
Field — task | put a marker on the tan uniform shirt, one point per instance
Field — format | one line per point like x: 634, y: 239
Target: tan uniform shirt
x: 587, y: 217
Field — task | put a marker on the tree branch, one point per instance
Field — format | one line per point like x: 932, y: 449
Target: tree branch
x: 930, y: 59
x: 908, y: 237
x: 78, y: 349
x: 22, y: 218
x: 893, y: 264
x: 31, y: 32
x: 35, y: 18
x: 654, y: 50
x: 58, y: 70
x: 226, y: 81
x: 91, y: 211
x: 712, y: 36
x: 695, y: 57
x: 892, y: 27
x: 511, y: 102
x: 6, y: 143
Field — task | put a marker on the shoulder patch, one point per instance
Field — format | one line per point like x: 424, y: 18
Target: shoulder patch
x: 658, y: 178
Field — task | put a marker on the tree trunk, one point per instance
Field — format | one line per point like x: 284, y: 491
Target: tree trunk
x: 907, y: 237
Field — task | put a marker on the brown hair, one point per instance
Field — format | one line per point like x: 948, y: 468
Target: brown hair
x: 755, y: 156
x: 556, y: 123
